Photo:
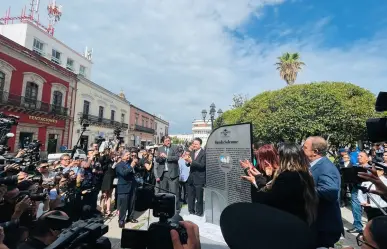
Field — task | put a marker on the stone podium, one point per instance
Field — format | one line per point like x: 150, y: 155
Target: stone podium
x: 225, y: 147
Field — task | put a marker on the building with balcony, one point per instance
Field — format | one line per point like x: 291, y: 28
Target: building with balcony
x: 161, y: 129
x: 40, y: 92
x: 141, y: 127
x: 103, y: 110
x: 40, y: 42
x: 201, y: 130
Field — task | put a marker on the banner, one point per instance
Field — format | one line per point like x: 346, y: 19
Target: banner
x: 226, y: 146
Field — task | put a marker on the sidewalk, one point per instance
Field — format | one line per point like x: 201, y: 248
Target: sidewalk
x: 210, y: 234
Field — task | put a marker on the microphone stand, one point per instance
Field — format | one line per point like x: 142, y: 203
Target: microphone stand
x: 76, y: 145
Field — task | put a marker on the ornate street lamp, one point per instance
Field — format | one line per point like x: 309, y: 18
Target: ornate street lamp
x: 212, y: 114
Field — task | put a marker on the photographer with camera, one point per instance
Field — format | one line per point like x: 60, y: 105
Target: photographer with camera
x: 44, y: 231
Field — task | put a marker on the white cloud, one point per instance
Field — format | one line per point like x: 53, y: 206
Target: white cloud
x: 174, y: 57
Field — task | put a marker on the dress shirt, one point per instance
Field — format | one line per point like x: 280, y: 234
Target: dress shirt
x: 197, y: 153
x: 315, y: 162
x: 166, y: 159
x: 346, y: 164
x: 363, y: 197
x: 184, y: 170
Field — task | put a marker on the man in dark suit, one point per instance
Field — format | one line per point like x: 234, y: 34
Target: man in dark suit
x: 197, y: 177
x: 327, y: 179
x: 167, y: 168
x: 126, y: 185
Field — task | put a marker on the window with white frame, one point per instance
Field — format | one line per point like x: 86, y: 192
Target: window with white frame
x: 82, y: 70
x: 70, y: 64
x: 55, y: 57
x: 38, y: 47
x: 122, y: 117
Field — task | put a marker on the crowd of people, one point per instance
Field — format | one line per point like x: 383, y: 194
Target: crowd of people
x: 300, y: 180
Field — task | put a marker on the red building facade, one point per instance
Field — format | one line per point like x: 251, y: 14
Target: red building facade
x: 40, y: 92
x: 141, y: 127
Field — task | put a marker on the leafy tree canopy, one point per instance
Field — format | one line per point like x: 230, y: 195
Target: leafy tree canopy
x: 335, y: 110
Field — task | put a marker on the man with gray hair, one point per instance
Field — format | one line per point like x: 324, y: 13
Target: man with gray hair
x: 327, y: 180
x: 126, y: 185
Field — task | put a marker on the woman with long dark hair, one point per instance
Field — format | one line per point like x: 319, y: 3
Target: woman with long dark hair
x: 267, y: 161
x: 292, y: 188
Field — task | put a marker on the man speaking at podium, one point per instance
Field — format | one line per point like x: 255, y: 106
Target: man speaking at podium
x: 197, y: 177
x: 167, y: 168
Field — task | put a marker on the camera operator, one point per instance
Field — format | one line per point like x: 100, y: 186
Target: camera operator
x: 86, y: 181
x: 64, y: 162
x: 43, y: 233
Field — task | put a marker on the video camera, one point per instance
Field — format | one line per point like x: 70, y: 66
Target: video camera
x: 377, y: 127
x: 10, y: 224
x: 158, y: 235
x: 81, y: 233
x: 6, y: 122
x: 32, y: 195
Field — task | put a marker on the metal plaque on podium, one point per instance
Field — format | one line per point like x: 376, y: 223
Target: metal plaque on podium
x: 226, y: 146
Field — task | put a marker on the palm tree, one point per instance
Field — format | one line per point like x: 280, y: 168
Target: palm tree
x: 289, y: 65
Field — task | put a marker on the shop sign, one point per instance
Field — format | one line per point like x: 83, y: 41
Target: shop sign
x: 43, y: 120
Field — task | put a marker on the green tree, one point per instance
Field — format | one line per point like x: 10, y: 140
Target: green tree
x: 334, y: 110
x: 176, y: 140
x: 238, y: 100
x: 289, y: 65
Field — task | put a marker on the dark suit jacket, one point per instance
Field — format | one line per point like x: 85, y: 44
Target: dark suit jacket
x: 172, y: 160
x: 125, y: 175
x: 287, y: 193
x: 197, y: 173
x: 328, y: 183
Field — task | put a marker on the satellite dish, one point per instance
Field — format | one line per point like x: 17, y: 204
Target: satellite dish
x: 9, y: 135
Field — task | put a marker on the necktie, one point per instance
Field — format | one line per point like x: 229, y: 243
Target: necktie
x: 196, y: 154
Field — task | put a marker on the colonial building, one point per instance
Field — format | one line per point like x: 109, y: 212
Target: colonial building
x: 40, y: 92
x: 161, y: 129
x: 30, y: 36
x: 142, y: 127
x: 201, y: 130
x: 102, y: 110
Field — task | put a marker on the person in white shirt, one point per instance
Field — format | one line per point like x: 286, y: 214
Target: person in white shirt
x: 370, y: 207
x: 184, y: 174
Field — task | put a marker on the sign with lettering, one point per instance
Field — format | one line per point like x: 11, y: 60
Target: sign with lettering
x: 43, y: 120
x: 225, y: 147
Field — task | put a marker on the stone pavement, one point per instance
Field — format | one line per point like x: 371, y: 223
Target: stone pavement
x: 210, y: 239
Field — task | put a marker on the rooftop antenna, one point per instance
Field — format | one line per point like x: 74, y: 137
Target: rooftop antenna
x: 54, y: 14
x: 88, y: 53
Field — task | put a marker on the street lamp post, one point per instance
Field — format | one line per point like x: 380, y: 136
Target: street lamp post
x: 212, y: 114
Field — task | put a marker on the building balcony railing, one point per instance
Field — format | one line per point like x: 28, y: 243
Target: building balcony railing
x: 144, y: 129
x: 31, y: 104
x: 102, y: 121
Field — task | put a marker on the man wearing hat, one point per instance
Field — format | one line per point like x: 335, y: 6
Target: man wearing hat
x: 371, y: 205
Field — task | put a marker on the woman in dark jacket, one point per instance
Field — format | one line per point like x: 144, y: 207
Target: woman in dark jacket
x: 107, y: 182
x: 292, y: 188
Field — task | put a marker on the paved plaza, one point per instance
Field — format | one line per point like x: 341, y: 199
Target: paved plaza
x: 210, y: 234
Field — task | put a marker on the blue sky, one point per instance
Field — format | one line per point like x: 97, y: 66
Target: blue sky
x: 174, y: 58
